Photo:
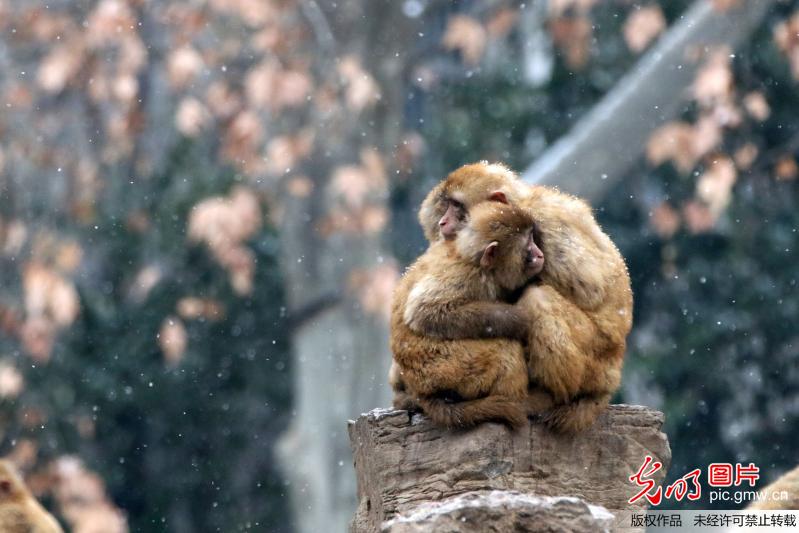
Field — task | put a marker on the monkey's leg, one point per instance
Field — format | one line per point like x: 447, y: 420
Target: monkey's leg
x: 559, y: 343
x: 577, y: 415
x: 491, y: 376
x: 494, y: 408
x: 402, y: 399
x: 539, y: 401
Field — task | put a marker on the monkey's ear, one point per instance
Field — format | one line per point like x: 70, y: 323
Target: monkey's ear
x: 498, y: 196
x: 489, y: 255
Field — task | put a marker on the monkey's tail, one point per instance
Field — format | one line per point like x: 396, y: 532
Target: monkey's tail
x: 468, y: 413
x: 578, y: 415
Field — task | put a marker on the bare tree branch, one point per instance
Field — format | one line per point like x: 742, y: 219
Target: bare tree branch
x: 598, y: 150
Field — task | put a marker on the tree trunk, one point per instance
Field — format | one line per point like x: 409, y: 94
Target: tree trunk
x: 598, y: 150
x: 340, y: 350
x: 404, y: 463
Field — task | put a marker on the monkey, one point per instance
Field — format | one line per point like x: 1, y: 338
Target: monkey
x: 19, y: 510
x: 575, y: 321
x: 460, y: 383
x: 782, y: 494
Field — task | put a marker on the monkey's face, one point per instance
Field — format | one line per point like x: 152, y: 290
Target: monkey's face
x: 446, y: 209
x: 533, y: 256
x: 453, y: 219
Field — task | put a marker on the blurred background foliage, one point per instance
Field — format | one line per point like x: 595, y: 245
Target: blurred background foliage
x: 152, y: 152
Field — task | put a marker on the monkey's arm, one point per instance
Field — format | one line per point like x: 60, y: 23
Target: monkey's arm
x: 469, y: 320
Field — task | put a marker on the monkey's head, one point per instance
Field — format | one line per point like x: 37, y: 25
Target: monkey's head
x: 501, y: 238
x: 447, y: 207
x: 11, y: 485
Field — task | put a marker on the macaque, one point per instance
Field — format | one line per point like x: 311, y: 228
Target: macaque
x: 19, y: 510
x: 576, y: 319
x: 782, y: 494
x: 465, y: 382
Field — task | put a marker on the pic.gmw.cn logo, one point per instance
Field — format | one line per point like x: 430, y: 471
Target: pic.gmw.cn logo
x: 689, y: 485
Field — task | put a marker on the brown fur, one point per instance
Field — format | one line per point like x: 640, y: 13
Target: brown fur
x: 463, y: 382
x: 788, y: 483
x: 578, y: 316
x: 19, y: 510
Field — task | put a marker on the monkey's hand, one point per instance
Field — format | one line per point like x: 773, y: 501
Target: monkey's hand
x: 473, y: 320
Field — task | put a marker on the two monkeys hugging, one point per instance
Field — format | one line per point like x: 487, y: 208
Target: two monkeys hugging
x: 520, y: 307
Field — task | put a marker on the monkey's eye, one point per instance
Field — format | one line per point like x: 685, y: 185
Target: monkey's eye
x: 458, y: 207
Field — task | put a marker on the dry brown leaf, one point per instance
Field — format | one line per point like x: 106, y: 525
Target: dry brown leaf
x: 673, y: 141
x: 757, y: 106
x: 240, y: 263
x: 707, y: 135
x: 293, y: 88
x: 372, y: 162
x: 11, y: 381
x: 68, y: 256
x: 642, y: 26
x: 260, y: 82
x: 37, y: 336
x: 191, y: 117
x: 60, y: 66
x: 745, y: 156
x: 82, y: 499
x: 559, y: 7
x: 714, y: 82
x: 125, y: 88
x: 724, y: 5
x: 502, y: 22
x: 373, y: 219
x: 300, y: 186
x: 48, y: 294
x: 361, y: 89
x: 173, y: 340
x: 352, y: 183
x: 24, y: 454
x: 665, y: 220
x: 698, y: 217
x: 16, y: 234
x: 183, y: 65
x: 786, y: 168
x: 146, y: 279
x: 243, y: 137
x: 374, y: 288
x: 223, y: 101
x: 572, y: 35
x: 714, y: 186
x: 286, y: 151
x: 192, y: 308
x: 223, y: 223
x: 17, y: 95
x: 110, y: 20
x: 466, y: 35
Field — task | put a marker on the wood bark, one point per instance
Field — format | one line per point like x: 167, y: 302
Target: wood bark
x: 403, y: 462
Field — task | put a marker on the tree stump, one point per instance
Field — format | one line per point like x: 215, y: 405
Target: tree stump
x: 403, y: 462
